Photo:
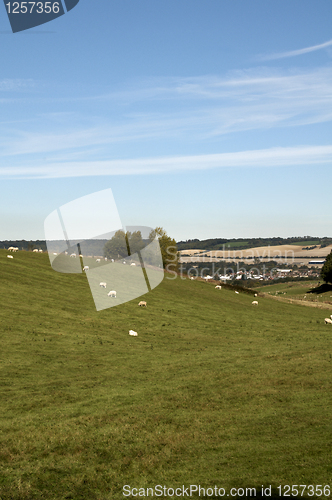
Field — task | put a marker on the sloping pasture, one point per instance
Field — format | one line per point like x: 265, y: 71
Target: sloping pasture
x: 213, y: 391
x: 301, y: 290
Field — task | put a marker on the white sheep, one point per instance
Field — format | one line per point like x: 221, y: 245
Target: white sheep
x: 112, y: 293
x: 254, y: 303
x: 132, y: 333
x: 102, y: 284
x: 237, y: 292
x: 97, y: 260
x: 10, y: 257
x: 86, y: 268
x: 328, y: 321
x: 218, y: 287
x: 142, y: 303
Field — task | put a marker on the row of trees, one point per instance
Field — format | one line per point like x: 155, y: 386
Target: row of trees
x: 124, y: 244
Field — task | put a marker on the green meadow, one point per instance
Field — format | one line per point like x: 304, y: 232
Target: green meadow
x: 308, y: 291
x: 213, y: 391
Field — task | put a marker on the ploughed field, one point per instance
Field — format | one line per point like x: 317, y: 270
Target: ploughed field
x: 212, y: 391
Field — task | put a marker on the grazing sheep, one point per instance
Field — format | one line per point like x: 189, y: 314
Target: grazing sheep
x: 97, y: 260
x: 132, y: 333
x: 112, y: 293
x: 331, y: 316
x: 328, y: 321
x: 86, y: 268
x: 142, y: 303
x: 218, y: 287
x: 255, y: 295
x: 10, y: 257
x: 102, y: 284
x: 236, y: 292
x: 254, y: 303
x: 73, y: 254
x: 35, y: 250
x: 133, y: 264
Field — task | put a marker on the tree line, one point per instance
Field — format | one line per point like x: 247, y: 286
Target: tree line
x: 124, y: 244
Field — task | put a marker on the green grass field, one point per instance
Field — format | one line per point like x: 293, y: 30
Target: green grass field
x: 213, y: 391
x: 299, y: 291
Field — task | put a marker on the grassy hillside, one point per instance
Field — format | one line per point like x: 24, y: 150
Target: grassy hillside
x: 307, y: 291
x: 213, y: 391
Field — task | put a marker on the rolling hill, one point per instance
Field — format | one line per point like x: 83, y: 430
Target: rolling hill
x: 213, y: 391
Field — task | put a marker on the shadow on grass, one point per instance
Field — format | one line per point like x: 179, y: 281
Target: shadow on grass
x: 325, y: 287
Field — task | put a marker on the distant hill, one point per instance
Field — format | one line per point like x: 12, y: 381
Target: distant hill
x: 95, y: 247
x: 90, y: 247
x: 243, y: 243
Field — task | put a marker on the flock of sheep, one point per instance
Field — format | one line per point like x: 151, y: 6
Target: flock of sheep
x: 111, y: 293
x: 328, y: 321
x: 254, y: 302
x: 142, y: 303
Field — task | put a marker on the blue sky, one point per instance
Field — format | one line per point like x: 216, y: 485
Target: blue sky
x: 210, y: 118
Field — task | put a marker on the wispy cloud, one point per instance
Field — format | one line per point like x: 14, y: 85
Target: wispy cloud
x: 293, y: 53
x: 191, y: 110
x: 173, y: 116
x: 272, y: 157
x: 246, y: 85
x: 8, y: 84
